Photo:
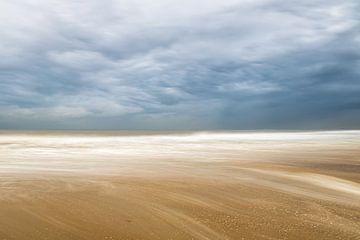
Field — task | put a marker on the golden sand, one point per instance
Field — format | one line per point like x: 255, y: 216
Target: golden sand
x: 231, y: 185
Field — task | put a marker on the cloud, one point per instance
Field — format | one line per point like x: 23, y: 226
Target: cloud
x: 179, y: 64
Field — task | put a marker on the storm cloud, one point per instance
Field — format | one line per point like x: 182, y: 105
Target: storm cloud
x: 141, y: 64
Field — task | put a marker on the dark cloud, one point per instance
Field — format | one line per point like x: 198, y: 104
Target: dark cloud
x: 234, y: 64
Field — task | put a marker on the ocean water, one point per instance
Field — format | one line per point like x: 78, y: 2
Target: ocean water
x: 125, y: 152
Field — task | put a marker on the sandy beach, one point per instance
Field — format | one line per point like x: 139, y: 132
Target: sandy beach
x: 179, y: 185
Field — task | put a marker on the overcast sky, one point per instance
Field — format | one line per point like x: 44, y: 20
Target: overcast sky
x: 179, y: 64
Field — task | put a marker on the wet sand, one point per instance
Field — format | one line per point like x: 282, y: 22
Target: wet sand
x: 215, y: 185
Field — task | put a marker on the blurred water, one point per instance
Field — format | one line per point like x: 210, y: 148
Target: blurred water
x: 79, y: 152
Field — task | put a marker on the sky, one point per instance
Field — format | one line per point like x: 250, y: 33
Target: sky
x: 179, y: 64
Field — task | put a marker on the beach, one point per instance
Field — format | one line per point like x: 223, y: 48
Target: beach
x: 179, y: 185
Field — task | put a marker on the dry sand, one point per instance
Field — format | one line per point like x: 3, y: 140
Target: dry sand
x: 133, y: 185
